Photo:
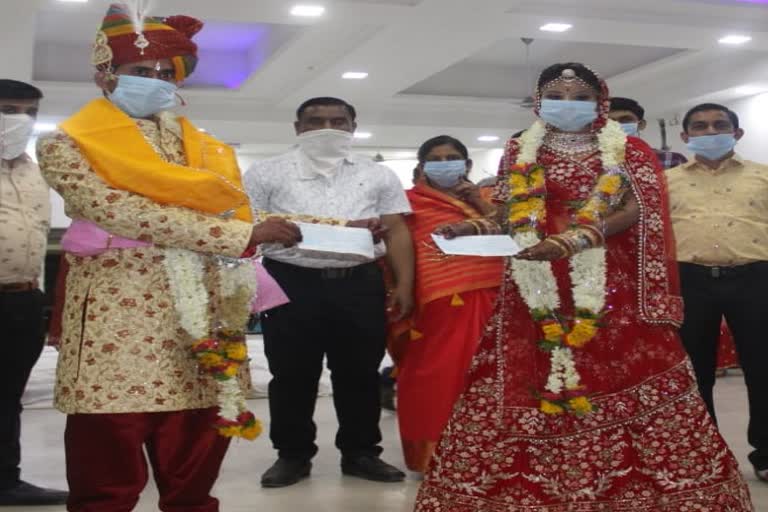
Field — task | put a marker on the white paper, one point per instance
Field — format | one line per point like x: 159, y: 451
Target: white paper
x: 323, y: 238
x: 479, y: 245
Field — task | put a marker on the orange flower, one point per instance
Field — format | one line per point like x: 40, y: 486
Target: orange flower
x: 582, y: 333
x: 580, y: 405
x: 610, y: 184
x: 552, y: 408
x: 553, y: 331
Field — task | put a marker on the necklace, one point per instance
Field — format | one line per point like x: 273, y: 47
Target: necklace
x: 571, y: 144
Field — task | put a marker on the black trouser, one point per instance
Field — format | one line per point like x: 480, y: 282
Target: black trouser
x: 741, y: 295
x: 21, y: 329
x: 338, y: 313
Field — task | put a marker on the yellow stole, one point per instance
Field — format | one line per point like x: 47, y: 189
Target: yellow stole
x: 120, y: 155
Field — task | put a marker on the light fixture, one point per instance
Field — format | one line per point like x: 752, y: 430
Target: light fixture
x: 355, y: 75
x: 750, y: 90
x: 363, y: 135
x: 44, y: 127
x: 734, y: 39
x: 74, y: 1
x: 556, y: 27
x: 488, y: 138
x: 308, y: 11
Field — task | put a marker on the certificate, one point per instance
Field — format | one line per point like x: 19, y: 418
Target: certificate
x: 327, y: 240
x: 480, y: 245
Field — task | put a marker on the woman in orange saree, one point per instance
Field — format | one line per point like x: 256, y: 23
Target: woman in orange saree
x: 454, y: 296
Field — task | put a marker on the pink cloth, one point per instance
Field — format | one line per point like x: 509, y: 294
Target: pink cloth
x: 84, y: 238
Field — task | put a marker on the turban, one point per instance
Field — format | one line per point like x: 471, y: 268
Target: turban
x: 120, y: 42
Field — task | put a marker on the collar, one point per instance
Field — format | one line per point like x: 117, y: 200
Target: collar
x: 735, y: 161
x: 20, y: 161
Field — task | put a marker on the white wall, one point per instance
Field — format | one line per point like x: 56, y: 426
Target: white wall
x: 753, y: 116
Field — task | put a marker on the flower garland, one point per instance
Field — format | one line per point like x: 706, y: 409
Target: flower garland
x: 220, y: 349
x: 536, y: 281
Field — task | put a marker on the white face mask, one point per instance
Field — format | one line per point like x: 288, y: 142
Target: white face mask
x: 325, y: 149
x: 15, y: 131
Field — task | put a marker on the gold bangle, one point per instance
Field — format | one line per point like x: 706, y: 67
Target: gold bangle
x: 561, y: 243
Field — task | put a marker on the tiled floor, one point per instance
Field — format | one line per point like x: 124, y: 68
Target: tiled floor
x: 327, y: 490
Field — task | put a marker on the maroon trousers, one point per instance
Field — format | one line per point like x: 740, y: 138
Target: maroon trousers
x: 107, y: 466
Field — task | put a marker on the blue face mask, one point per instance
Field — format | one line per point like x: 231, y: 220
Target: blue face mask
x: 567, y: 115
x: 632, y: 129
x: 712, y: 147
x: 142, y: 97
x: 445, y: 174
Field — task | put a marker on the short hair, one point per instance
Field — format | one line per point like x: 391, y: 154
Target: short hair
x: 629, y: 105
x: 710, y: 106
x: 15, y: 90
x: 517, y: 135
x: 442, y: 140
x: 325, y: 102
x: 555, y: 71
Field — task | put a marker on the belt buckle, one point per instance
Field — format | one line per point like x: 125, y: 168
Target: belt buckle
x: 715, y: 272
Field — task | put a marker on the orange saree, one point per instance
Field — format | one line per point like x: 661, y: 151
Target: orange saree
x: 434, y: 347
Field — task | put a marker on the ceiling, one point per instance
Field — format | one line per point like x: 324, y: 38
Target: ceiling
x: 435, y: 66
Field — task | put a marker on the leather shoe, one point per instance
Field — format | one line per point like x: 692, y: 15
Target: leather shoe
x: 371, y: 467
x: 762, y: 475
x: 286, y: 472
x: 27, y: 494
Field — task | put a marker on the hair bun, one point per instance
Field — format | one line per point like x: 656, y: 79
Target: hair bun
x: 187, y: 25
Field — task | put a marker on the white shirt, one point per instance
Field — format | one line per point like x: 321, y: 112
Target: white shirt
x: 360, y: 189
x: 25, y: 213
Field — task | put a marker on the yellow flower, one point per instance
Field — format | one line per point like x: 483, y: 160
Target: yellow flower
x: 610, y: 184
x: 553, y: 331
x: 518, y: 184
x: 583, y: 331
x: 537, y: 178
x: 548, y: 407
x: 229, y: 431
x: 231, y: 370
x: 236, y: 351
x: 251, y: 432
x: 520, y: 211
x: 208, y: 359
x: 580, y: 405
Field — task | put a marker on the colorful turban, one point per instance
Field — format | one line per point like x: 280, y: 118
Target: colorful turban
x: 163, y: 38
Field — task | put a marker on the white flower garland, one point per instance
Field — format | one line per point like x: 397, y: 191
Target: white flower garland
x: 588, y: 269
x: 185, y: 271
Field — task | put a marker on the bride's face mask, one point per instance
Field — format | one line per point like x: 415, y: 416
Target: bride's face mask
x: 569, y: 105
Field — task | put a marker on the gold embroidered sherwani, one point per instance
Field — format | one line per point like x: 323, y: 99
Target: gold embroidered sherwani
x: 122, y: 348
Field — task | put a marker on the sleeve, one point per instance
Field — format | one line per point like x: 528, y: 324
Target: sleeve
x: 392, y: 199
x: 130, y: 215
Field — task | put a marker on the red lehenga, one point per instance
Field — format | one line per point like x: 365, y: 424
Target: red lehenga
x: 649, y: 447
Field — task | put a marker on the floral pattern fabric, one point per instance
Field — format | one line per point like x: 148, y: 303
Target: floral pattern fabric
x: 122, y: 349
x: 649, y: 446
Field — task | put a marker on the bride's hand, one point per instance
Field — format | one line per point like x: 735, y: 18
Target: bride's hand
x: 450, y: 231
x: 546, y: 250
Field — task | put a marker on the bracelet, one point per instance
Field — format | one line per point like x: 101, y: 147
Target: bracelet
x: 562, y: 243
x: 596, y: 234
x: 475, y: 225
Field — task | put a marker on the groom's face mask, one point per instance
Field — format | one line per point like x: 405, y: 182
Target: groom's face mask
x: 17, y: 119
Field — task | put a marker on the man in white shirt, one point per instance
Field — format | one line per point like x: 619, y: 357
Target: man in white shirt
x: 24, y: 222
x: 338, y: 305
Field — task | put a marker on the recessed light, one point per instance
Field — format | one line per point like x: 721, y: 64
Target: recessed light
x: 363, y: 135
x: 556, y: 27
x: 44, y: 127
x: 311, y: 11
x: 488, y: 138
x: 355, y: 75
x: 74, y: 1
x: 734, y: 39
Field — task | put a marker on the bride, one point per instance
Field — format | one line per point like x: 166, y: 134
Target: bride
x: 581, y: 398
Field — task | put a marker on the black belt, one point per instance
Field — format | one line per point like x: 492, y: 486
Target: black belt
x: 718, y: 272
x: 358, y: 271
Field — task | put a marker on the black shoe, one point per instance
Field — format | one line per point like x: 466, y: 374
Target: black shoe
x: 762, y: 475
x: 28, y: 494
x: 286, y: 472
x: 371, y: 467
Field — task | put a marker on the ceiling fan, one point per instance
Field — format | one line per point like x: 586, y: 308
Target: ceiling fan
x: 529, y: 101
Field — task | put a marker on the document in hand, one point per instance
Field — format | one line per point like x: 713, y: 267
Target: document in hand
x: 323, y: 238
x: 481, y: 245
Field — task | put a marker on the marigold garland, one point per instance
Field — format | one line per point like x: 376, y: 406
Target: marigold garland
x: 535, y: 279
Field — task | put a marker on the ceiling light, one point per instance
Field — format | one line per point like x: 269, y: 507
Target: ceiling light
x: 355, y: 75
x: 363, y: 135
x: 734, y: 39
x: 45, y: 127
x: 488, y: 138
x: 556, y: 27
x: 74, y: 1
x: 750, y: 90
x: 311, y: 11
